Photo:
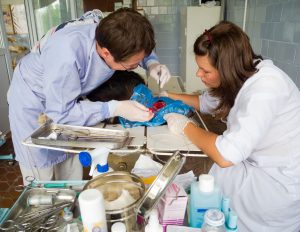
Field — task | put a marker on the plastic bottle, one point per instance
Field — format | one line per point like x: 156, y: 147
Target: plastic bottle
x: 214, y: 221
x: 97, y: 159
x: 70, y: 224
x: 118, y: 227
x: 204, y: 195
x: 153, y: 223
x: 92, y: 209
x: 225, y: 207
x: 231, y: 223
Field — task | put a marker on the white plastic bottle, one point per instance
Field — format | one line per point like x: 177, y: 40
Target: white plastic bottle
x: 97, y: 159
x: 92, y: 209
x: 214, y: 221
x: 153, y: 223
x: 118, y: 227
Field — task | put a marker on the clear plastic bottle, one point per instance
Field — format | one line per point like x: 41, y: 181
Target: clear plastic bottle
x: 204, y: 195
x: 214, y: 221
x: 70, y: 224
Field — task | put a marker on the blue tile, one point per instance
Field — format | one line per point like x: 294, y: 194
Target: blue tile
x: 264, y: 47
x: 285, y: 52
x: 284, y: 31
x: 269, y: 13
x: 276, y: 12
x: 271, y: 49
x: 297, y: 56
x: 297, y: 33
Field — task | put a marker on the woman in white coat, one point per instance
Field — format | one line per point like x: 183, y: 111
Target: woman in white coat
x: 257, y: 158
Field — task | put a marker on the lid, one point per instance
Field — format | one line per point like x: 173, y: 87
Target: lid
x: 160, y: 184
x: 206, y: 183
x: 85, y: 158
x: 118, y: 227
x: 214, y: 217
x: 102, y: 168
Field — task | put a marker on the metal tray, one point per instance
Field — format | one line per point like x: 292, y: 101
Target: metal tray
x: 16, y: 219
x: 51, y: 134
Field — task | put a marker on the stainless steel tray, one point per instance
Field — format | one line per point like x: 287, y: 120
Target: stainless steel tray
x: 51, y: 134
x: 18, y: 218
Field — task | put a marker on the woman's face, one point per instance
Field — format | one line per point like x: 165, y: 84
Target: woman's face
x: 208, y: 74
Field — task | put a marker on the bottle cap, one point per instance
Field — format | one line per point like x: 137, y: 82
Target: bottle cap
x: 214, y: 217
x: 118, y: 227
x: 232, y: 220
x: 85, y: 158
x: 102, y: 168
x: 206, y: 183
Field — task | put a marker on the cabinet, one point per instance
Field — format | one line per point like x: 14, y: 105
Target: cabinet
x: 194, y: 20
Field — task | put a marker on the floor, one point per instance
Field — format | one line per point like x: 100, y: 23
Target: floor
x: 10, y: 175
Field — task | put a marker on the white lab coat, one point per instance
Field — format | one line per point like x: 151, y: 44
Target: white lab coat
x: 263, y: 141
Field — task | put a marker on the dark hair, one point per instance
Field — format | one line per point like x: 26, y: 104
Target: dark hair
x: 229, y: 51
x: 125, y: 32
x: 119, y: 87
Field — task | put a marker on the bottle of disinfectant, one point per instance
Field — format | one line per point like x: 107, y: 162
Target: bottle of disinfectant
x: 204, y: 195
x: 97, y: 159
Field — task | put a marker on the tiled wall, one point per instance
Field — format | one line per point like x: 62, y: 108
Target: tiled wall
x: 274, y: 30
x: 165, y: 18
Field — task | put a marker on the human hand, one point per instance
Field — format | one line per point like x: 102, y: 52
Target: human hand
x: 176, y: 123
x: 131, y: 110
x: 160, y: 73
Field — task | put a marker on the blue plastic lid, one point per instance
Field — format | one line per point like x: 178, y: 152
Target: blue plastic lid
x: 85, y: 158
x: 102, y: 168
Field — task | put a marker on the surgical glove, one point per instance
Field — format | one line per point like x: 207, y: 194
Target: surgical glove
x: 160, y: 73
x: 164, y: 94
x: 131, y: 110
x: 176, y: 123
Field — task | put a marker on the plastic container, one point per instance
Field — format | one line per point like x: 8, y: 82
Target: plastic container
x: 214, y: 221
x: 231, y: 223
x: 97, y: 159
x: 92, y: 209
x: 153, y: 223
x: 204, y: 195
x: 118, y: 227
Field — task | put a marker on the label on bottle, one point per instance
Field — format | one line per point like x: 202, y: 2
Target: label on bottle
x: 200, y: 217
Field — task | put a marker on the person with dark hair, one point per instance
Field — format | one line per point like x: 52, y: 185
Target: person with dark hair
x: 70, y: 61
x: 119, y: 87
x: 257, y: 158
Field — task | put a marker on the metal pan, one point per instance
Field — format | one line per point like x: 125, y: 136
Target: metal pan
x: 51, y: 134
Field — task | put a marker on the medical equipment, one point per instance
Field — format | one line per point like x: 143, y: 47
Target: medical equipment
x: 45, y: 219
x: 78, y: 136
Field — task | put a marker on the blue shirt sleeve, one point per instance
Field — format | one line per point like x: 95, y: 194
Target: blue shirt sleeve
x: 62, y: 86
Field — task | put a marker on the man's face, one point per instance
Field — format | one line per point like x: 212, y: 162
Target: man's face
x: 129, y: 64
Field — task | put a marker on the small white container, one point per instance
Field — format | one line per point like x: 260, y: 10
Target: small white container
x: 118, y: 227
x: 91, y: 204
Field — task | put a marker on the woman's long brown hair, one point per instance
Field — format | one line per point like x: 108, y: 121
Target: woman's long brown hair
x: 229, y: 51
